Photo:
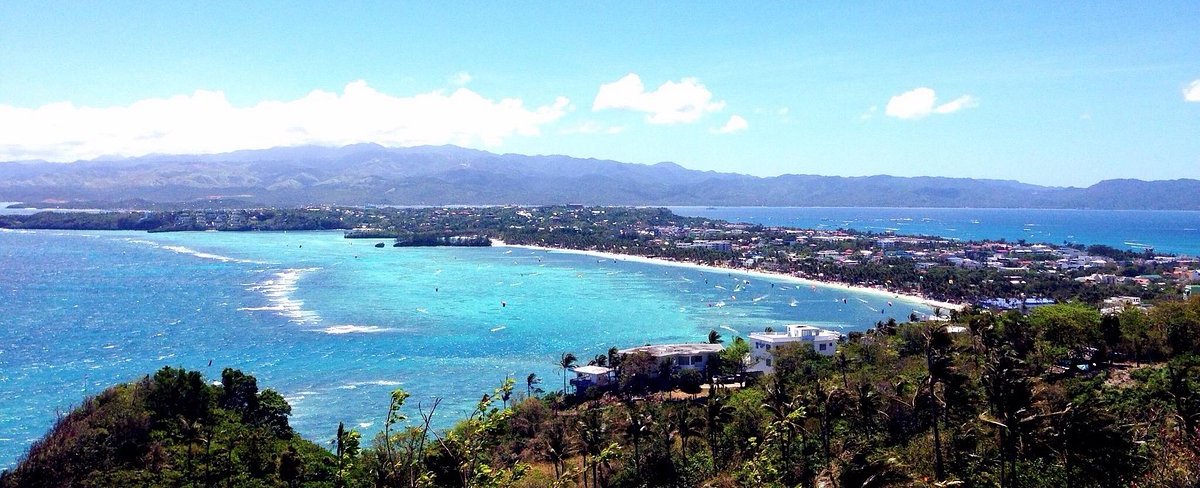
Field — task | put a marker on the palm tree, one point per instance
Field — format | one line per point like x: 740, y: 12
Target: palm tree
x: 557, y: 444
x: 716, y: 412
x: 868, y: 408
x: 1006, y: 386
x: 843, y: 364
x: 565, y: 362
x: 506, y: 394
x: 636, y: 427
x: 939, y: 366
x: 714, y: 337
x: 530, y: 384
x: 687, y: 425
x: 787, y: 414
x: 593, y: 433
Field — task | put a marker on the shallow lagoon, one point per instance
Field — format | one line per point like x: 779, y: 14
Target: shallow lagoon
x: 335, y: 324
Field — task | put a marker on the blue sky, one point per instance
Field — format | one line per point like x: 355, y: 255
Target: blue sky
x: 1044, y: 92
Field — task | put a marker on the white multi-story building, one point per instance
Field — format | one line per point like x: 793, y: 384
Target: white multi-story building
x: 762, y: 343
x: 720, y: 246
x: 683, y: 356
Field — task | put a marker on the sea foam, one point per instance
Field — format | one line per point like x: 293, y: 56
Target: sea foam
x: 354, y: 329
x: 278, y: 291
x: 192, y: 252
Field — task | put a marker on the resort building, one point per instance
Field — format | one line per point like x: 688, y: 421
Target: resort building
x: 1024, y: 306
x: 684, y: 356
x: 719, y: 246
x: 589, y: 376
x: 762, y: 343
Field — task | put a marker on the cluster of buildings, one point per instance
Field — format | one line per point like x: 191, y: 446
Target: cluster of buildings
x: 211, y: 219
x: 700, y: 356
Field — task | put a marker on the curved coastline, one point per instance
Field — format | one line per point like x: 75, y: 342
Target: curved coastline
x: 771, y: 275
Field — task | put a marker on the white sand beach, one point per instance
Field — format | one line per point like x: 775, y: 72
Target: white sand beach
x: 947, y: 306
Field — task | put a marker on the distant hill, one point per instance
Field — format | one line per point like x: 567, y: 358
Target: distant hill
x: 427, y: 175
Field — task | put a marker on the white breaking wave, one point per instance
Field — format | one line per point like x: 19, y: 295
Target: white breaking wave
x: 205, y: 255
x: 192, y: 252
x: 356, y: 384
x: 262, y: 309
x: 278, y: 291
x: 354, y: 329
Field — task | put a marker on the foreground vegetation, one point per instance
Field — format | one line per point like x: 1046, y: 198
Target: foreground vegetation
x: 174, y: 429
x: 1060, y: 397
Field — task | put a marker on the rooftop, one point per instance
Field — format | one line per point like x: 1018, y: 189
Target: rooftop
x: 795, y: 332
x: 661, y: 350
x: 592, y: 370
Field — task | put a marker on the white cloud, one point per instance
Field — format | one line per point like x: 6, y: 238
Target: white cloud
x: 735, y: 124
x: 684, y: 101
x: 921, y: 102
x: 965, y: 101
x: 205, y: 122
x: 593, y: 127
x: 460, y: 78
x: 1192, y: 92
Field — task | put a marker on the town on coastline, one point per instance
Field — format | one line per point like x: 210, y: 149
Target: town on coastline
x: 994, y: 274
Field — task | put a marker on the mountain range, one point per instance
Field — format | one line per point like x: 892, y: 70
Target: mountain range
x: 364, y: 174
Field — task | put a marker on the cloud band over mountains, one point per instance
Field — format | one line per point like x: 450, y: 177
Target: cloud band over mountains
x: 206, y: 122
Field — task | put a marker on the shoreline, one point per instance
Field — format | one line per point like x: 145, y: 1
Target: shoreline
x: 770, y: 275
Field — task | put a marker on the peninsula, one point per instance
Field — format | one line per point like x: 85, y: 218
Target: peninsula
x: 942, y: 272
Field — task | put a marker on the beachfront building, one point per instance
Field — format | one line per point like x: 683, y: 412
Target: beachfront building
x: 762, y: 343
x: 589, y: 376
x: 683, y: 356
x: 1024, y: 306
x: 719, y: 246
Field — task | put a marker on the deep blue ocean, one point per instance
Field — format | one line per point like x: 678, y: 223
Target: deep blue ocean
x: 336, y: 324
x: 1175, y: 232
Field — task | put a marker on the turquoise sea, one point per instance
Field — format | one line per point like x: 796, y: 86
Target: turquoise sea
x: 1171, y: 231
x: 336, y: 324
